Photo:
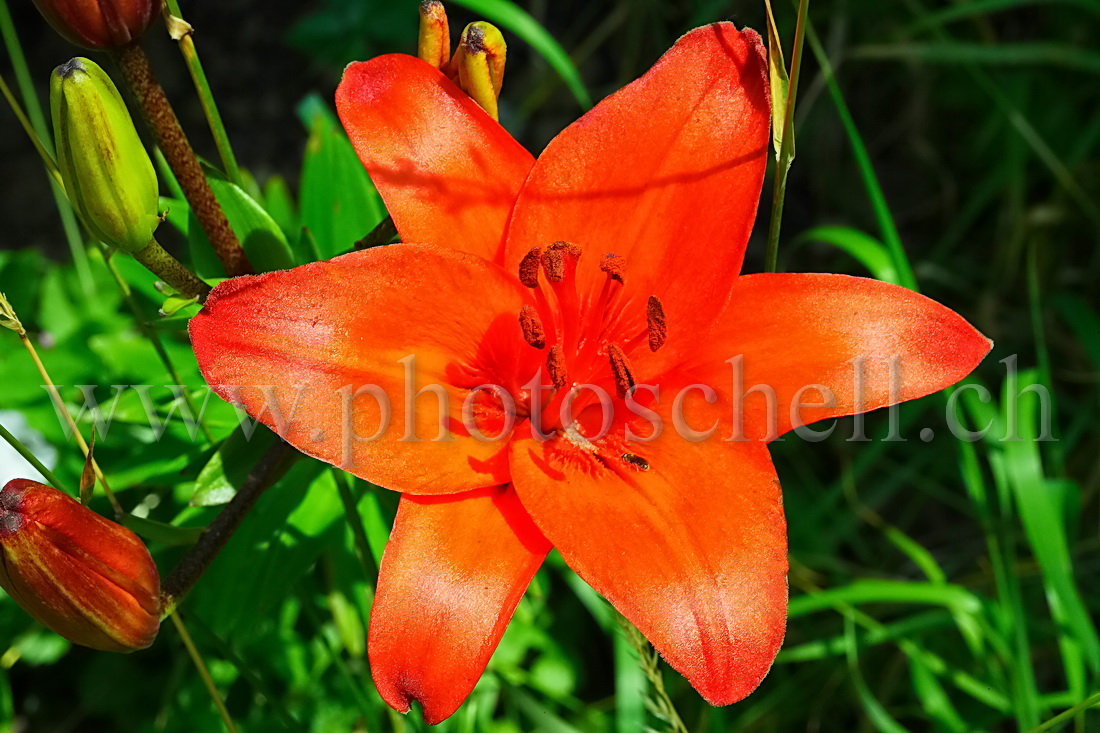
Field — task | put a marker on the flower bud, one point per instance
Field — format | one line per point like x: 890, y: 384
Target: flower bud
x: 479, y: 64
x: 434, y: 45
x: 84, y: 577
x: 106, y: 170
x: 100, y: 24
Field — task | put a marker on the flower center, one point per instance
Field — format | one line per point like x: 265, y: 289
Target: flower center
x: 582, y: 322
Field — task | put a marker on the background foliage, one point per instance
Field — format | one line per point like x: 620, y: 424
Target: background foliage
x: 936, y: 585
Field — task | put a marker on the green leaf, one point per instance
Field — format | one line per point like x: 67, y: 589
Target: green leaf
x: 870, y: 252
x: 339, y: 204
x: 173, y: 304
x: 161, y: 533
x: 1043, y: 518
x: 263, y: 240
x: 227, y: 469
x: 280, y: 205
x: 510, y: 16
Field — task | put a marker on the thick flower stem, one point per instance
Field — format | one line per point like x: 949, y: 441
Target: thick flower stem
x: 193, y: 564
x: 156, y: 260
x: 181, y: 158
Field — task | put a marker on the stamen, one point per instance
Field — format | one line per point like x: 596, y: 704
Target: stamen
x: 531, y: 324
x: 614, y: 266
x: 624, y: 375
x: 555, y: 365
x: 529, y: 268
x: 655, y: 322
x: 557, y: 259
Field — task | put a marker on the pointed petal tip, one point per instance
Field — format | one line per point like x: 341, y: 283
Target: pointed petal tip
x: 400, y: 694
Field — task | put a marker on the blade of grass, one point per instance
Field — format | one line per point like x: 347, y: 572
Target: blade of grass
x: 882, y: 720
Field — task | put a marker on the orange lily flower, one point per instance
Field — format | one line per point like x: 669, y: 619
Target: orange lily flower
x: 612, y: 261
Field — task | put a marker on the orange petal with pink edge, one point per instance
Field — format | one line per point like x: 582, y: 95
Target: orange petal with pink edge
x: 452, y: 574
x: 828, y: 341
x: 448, y: 172
x: 319, y: 353
x: 687, y: 540
x: 666, y: 172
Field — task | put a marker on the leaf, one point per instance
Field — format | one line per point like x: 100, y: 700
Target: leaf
x: 161, y: 533
x: 339, y: 204
x: 263, y: 240
x: 227, y: 469
x: 780, y: 84
x: 275, y: 545
x: 1042, y: 515
x: 173, y: 304
x: 507, y: 14
x: 870, y: 252
x: 280, y: 205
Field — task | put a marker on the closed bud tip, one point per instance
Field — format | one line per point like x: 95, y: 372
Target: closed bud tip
x: 434, y: 45
x: 479, y: 63
x: 100, y: 24
x: 82, y: 576
x: 106, y: 170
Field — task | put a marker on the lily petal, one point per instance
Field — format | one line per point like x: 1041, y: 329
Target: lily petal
x: 812, y: 338
x: 452, y: 574
x: 666, y: 173
x: 692, y: 550
x: 448, y: 173
x: 319, y: 352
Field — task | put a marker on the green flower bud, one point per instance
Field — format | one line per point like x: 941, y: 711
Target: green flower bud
x: 106, y: 171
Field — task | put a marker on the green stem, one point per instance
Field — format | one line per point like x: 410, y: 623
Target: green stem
x: 786, y: 147
x: 181, y: 158
x: 31, y: 458
x: 204, y: 673
x: 156, y: 260
x: 63, y: 411
x: 151, y: 334
x: 41, y: 136
x: 181, y: 31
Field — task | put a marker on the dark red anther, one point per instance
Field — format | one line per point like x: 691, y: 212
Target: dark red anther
x: 531, y: 324
x: 620, y: 366
x: 558, y: 258
x: 555, y: 366
x: 655, y: 322
x: 529, y: 268
x: 614, y: 266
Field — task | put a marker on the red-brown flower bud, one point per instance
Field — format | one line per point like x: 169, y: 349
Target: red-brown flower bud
x: 100, y: 24
x: 85, y: 577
